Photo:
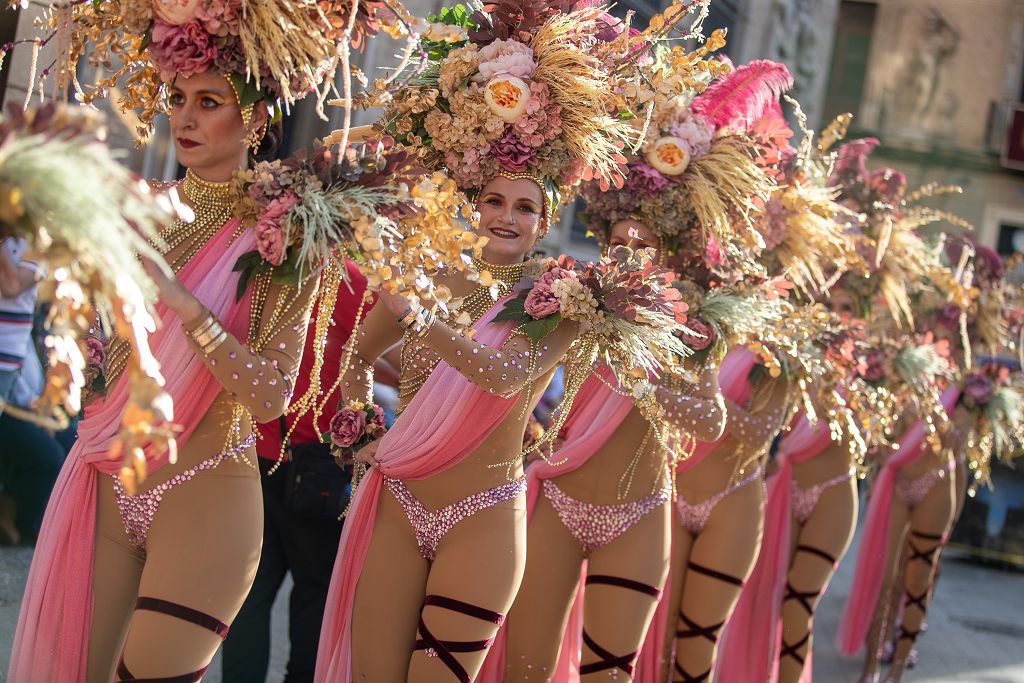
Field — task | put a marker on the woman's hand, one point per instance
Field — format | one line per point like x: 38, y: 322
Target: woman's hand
x: 396, y: 303
x: 172, y: 292
x: 366, y: 454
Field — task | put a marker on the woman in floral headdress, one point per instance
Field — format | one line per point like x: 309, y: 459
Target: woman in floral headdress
x: 600, y: 517
x: 141, y: 567
x: 911, y: 503
x: 805, y: 239
x: 987, y: 421
x: 434, y: 546
x: 698, y: 168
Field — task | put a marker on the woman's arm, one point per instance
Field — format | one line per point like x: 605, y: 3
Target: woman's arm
x: 506, y: 370
x: 699, y: 408
x: 377, y: 333
x: 261, y: 380
x: 756, y: 427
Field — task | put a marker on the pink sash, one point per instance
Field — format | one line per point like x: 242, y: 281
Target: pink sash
x: 52, y: 638
x: 446, y: 421
x: 733, y: 380
x: 871, y: 552
x: 750, y: 642
x: 597, y: 412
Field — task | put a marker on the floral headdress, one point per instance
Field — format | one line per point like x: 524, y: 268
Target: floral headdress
x: 517, y: 89
x: 271, y: 50
x: 87, y: 219
x: 695, y: 178
x: 895, y: 263
x: 805, y: 230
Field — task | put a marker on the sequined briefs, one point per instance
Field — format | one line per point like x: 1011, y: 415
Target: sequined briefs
x: 594, y: 525
x: 137, y: 511
x: 431, y: 526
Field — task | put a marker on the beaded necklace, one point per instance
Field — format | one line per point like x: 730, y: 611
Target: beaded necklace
x: 418, y: 360
x: 212, y: 204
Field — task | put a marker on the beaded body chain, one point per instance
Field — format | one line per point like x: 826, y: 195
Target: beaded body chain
x: 418, y: 360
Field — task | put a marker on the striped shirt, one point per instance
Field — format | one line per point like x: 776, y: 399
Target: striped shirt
x: 16, y: 314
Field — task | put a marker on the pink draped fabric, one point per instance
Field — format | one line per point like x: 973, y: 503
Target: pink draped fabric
x: 597, y: 412
x: 871, y: 551
x: 446, y: 421
x: 52, y: 638
x: 750, y: 643
x: 733, y: 380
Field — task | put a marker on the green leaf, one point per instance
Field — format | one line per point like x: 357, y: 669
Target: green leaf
x: 538, y: 329
x: 147, y: 38
x: 249, y: 259
x: 246, y: 90
x: 518, y: 317
x: 243, y: 283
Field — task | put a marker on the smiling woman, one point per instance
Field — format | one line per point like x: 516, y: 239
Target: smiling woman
x: 512, y: 217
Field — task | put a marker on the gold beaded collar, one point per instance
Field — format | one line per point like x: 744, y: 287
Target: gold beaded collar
x: 203, y: 194
x: 506, y: 274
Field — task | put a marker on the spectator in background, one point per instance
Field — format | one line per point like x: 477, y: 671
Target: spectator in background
x: 17, y: 304
x: 302, y: 526
x: 30, y: 459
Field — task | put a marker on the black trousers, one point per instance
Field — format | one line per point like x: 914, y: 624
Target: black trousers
x: 30, y: 460
x: 306, y: 548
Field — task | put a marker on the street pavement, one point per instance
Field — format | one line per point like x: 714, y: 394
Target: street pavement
x: 975, y: 626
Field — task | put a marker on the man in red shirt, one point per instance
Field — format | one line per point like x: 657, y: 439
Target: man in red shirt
x: 301, y: 528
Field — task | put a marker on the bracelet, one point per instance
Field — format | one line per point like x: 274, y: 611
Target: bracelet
x: 209, y: 335
x: 406, y: 321
x: 429, y: 318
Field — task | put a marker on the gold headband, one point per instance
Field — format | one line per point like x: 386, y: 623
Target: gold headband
x: 550, y: 198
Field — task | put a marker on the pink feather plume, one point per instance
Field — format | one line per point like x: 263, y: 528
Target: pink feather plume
x: 745, y: 95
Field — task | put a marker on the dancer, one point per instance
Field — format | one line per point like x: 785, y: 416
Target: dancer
x: 604, y: 510
x: 140, y: 579
x: 434, y: 544
x: 987, y: 420
x: 811, y: 505
x: 911, y: 503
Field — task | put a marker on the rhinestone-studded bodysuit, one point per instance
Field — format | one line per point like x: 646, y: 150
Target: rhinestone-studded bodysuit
x: 138, y: 511
x: 594, y: 525
x: 431, y: 526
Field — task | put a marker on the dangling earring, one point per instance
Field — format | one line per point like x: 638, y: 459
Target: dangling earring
x: 255, y: 138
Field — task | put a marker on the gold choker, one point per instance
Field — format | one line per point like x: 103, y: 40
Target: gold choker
x: 507, y: 274
x: 203, y: 194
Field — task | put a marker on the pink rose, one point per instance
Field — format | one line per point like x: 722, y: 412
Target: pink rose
x: 269, y: 235
x: 176, y: 12
x: 505, y: 57
x: 181, y: 50
x: 376, y: 426
x: 704, y: 338
x: 347, y: 427
x: 95, y: 352
x: 541, y: 301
